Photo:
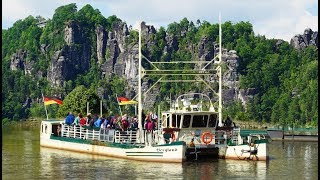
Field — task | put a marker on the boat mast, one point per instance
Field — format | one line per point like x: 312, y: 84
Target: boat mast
x: 220, y: 74
x: 139, y: 84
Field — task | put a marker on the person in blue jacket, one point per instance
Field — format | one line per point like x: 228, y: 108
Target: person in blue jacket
x: 98, y: 122
x: 69, y: 118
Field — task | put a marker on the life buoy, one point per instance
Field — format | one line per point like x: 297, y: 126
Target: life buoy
x: 206, y: 137
x: 173, y: 136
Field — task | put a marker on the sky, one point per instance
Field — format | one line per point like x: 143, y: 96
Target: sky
x: 278, y: 19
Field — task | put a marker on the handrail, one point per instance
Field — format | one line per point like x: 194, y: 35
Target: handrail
x: 109, y: 135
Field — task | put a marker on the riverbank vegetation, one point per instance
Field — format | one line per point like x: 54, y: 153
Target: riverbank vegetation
x: 285, y: 79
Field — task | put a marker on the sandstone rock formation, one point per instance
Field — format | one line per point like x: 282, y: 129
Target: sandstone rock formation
x: 73, y: 59
x: 306, y: 39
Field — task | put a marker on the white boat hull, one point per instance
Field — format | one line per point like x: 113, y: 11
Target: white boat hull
x: 258, y: 152
x: 163, y: 153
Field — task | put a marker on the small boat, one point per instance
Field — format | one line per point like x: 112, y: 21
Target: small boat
x: 185, y: 131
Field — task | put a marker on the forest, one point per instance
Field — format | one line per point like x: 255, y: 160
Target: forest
x: 286, y: 79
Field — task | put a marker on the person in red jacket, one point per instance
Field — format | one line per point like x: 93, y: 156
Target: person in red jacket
x: 83, y: 120
x: 149, y: 124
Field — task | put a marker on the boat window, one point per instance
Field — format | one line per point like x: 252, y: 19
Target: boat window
x: 42, y: 128
x: 176, y: 120
x: 186, y: 121
x: 213, y: 120
x: 165, y: 121
x: 199, y: 121
x: 45, y: 128
x: 55, y: 129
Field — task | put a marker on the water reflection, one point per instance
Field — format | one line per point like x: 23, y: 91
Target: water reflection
x: 220, y: 168
x: 298, y: 160
x: 80, y: 165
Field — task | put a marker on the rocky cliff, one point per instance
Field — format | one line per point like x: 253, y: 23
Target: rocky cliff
x: 73, y: 59
x: 301, y: 41
x: 114, y: 55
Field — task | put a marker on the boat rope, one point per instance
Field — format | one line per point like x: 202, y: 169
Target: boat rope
x: 235, y: 152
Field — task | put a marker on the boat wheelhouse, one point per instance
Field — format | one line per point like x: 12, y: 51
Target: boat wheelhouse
x: 200, y: 129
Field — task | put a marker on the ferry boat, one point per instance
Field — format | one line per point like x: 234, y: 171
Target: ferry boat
x: 186, y: 131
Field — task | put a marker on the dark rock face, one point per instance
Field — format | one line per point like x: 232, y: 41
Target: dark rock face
x: 246, y: 94
x: 205, y: 51
x: 172, y: 44
x: 306, y: 39
x: 230, y: 77
x: 72, y: 59
x: 115, y: 46
x: 18, y: 59
x: 101, y: 43
x: 73, y: 33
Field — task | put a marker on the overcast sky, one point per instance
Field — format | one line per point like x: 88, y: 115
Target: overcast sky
x: 280, y: 19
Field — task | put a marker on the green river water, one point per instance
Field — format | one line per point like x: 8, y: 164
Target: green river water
x: 23, y: 158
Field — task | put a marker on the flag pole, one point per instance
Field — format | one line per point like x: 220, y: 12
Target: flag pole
x: 87, y: 108
x: 118, y: 104
x: 100, y: 108
x: 45, y: 106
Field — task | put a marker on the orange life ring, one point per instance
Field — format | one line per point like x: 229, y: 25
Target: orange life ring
x: 206, y: 137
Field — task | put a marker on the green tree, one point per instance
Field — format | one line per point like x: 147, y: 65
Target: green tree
x: 76, y: 101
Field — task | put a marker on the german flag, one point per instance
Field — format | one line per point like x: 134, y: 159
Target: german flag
x: 125, y: 101
x: 51, y: 100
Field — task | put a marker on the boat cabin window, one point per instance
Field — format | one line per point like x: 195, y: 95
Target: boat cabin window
x: 45, y: 128
x: 176, y: 120
x: 165, y: 120
x: 186, y: 121
x: 55, y: 129
x: 199, y: 121
x: 213, y: 120
x: 42, y: 128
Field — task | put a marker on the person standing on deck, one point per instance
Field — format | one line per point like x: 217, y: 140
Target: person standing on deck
x: 69, y: 119
x: 83, y: 121
x: 154, y: 119
x: 105, y: 122
x: 149, y: 127
x: 97, y: 123
x: 77, y: 120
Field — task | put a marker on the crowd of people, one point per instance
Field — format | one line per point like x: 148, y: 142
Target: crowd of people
x: 123, y: 123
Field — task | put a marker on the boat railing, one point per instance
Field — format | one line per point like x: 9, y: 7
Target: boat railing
x: 220, y: 137
x: 92, y: 134
x: 235, y: 136
x: 104, y: 135
x: 79, y: 132
x: 107, y: 135
x: 127, y: 136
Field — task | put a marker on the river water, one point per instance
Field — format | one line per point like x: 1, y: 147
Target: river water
x: 23, y: 158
